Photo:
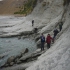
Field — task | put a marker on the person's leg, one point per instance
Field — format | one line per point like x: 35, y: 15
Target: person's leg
x: 49, y: 45
x: 60, y: 28
x: 53, y: 39
x: 32, y: 24
x: 43, y: 46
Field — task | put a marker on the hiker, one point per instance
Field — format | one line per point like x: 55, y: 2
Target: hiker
x: 42, y: 41
x: 32, y: 22
x: 60, y: 26
x: 48, y: 40
x: 35, y: 30
x: 55, y: 33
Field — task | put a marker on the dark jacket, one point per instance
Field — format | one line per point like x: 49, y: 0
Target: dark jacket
x: 55, y: 32
x: 60, y: 25
x: 42, y: 39
x: 32, y: 21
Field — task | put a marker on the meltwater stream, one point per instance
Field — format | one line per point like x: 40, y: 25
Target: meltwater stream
x: 13, y: 47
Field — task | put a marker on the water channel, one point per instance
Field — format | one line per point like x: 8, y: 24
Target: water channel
x: 13, y: 47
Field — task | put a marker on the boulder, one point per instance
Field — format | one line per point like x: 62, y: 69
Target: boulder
x: 11, y: 64
x: 25, y: 57
x: 38, y: 44
x: 18, y: 56
x: 24, y: 51
x: 6, y: 65
x: 19, y: 37
x: 31, y: 59
x: 44, y: 4
x: 1, y: 57
x: 37, y: 51
x: 10, y: 59
x: 37, y: 38
x: 17, y: 61
x: 26, y: 33
x: 23, y: 37
x: 35, y: 30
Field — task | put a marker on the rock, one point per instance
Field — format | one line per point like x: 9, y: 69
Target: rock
x: 24, y: 51
x: 38, y: 44
x: 18, y: 62
x: 1, y: 57
x: 35, y: 55
x: 18, y: 56
x: 6, y: 65
x: 24, y: 58
x: 26, y: 33
x: 44, y: 4
x: 35, y: 30
x: 37, y: 51
x: 31, y: 59
x: 37, y: 38
x: 10, y: 59
x: 19, y: 37
x: 12, y: 63
x: 24, y: 37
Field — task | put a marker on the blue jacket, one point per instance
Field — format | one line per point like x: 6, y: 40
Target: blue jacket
x: 42, y: 39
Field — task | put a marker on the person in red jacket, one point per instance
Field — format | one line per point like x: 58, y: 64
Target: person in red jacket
x: 48, y: 40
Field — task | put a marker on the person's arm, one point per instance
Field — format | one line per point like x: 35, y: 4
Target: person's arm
x: 51, y: 38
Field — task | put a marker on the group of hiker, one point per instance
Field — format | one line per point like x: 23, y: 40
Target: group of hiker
x: 48, y: 39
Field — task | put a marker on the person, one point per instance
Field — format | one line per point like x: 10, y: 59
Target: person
x: 55, y: 32
x: 35, y: 30
x: 32, y: 22
x: 60, y: 26
x: 48, y: 40
x: 42, y: 41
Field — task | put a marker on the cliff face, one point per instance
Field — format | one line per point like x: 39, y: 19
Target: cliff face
x: 23, y: 7
x: 8, y: 7
x: 58, y: 56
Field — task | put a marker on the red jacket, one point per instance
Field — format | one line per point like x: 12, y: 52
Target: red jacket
x: 48, y: 39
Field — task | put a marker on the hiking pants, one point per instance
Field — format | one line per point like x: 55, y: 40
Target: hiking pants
x: 48, y: 45
x: 42, y: 46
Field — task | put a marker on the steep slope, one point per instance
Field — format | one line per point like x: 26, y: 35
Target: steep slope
x: 58, y: 56
x: 42, y: 15
x: 45, y: 14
